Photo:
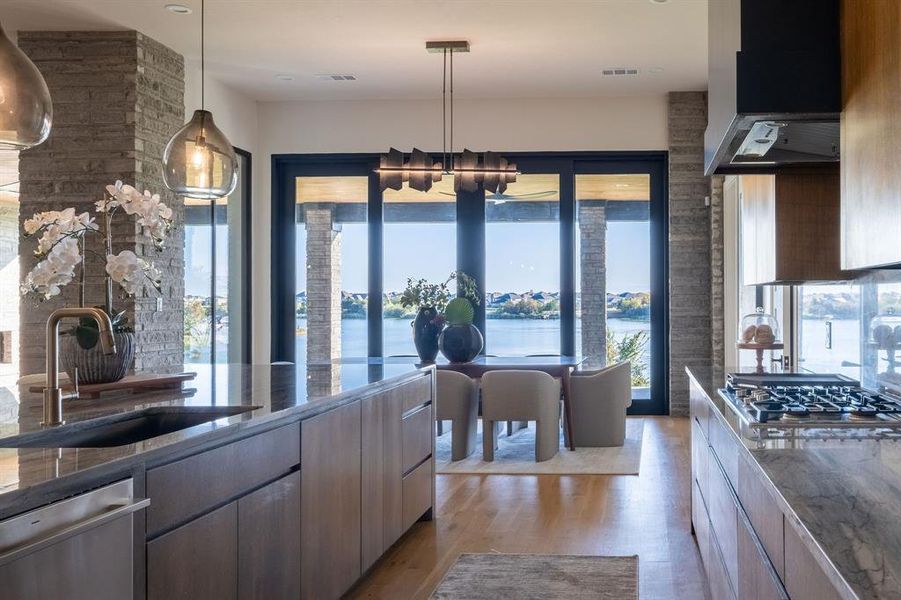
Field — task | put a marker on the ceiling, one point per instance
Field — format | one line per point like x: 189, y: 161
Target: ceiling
x: 520, y: 48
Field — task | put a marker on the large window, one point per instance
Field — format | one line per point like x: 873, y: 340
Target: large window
x: 9, y: 266
x: 331, y: 267
x: 522, y: 267
x: 829, y: 328
x: 343, y: 250
x: 613, y: 272
x: 217, y: 297
x: 420, y: 241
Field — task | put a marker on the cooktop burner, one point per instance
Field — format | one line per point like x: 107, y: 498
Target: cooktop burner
x: 802, y: 397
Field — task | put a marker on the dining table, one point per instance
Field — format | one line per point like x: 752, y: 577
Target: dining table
x: 557, y: 366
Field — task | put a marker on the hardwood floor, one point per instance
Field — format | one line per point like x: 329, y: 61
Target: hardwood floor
x: 647, y: 515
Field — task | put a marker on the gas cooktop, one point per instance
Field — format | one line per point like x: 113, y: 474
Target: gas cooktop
x: 807, y: 401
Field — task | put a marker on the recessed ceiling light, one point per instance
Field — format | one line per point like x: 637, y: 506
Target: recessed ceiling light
x: 655, y: 70
x: 179, y: 9
x: 285, y: 77
x: 659, y: 1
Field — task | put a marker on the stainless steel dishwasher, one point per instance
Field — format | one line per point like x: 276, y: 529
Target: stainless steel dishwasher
x: 81, y: 547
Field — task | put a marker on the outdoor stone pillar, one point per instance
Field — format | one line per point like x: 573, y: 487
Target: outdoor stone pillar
x: 323, y: 284
x: 593, y: 236
x: 117, y: 98
x: 323, y: 380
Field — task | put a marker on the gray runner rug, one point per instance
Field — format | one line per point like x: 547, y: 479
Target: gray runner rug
x: 540, y: 577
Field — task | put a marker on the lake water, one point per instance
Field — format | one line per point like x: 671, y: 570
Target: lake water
x: 512, y: 337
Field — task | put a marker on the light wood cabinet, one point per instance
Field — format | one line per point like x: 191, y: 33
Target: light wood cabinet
x: 870, y: 133
x: 197, y: 560
x: 382, y: 473
x: 330, y: 505
x: 804, y: 578
x: 269, y: 541
x: 757, y: 580
x: 790, y: 227
x: 759, y: 505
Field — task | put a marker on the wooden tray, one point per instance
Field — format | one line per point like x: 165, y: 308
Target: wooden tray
x: 135, y: 383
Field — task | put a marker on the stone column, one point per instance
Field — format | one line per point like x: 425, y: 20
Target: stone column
x: 689, y: 244
x: 323, y: 283
x: 593, y: 236
x: 717, y: 277
x: 117, y: 98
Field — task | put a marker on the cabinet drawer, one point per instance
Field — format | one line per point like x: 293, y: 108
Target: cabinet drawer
x: 192, y: 486
x: 698, y: 407
x: 804, y: 578
x: 700, y: 453
x: 417, y: 493
x: 757, y: 580
x: 701, y: 523
x: 723, y: 524
x: 415, y: 393
x: 717, y: 577
x: 763, y: 512
x: 416, y: 431
x: 197, y: 560
x: 724, y: 444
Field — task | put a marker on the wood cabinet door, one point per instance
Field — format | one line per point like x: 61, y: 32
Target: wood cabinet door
x: 871, y: 133
x: 382, y: 474
x: 269, y: 541
x: 196, y: 561
x: 330, y: 502
x: 757, y: 579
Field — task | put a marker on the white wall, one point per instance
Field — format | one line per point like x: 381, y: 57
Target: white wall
x: 609, y: 123
x: 234, y: 113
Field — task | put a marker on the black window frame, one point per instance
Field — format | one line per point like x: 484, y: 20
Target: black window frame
x: 470, y: 207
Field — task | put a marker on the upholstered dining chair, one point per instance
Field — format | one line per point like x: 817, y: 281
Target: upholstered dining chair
x: 599, y: 400
x: 521, y: 396
x: 458, y: 402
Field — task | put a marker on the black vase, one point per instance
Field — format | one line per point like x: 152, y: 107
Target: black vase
x: 426, y: 329
x: 460, y: 343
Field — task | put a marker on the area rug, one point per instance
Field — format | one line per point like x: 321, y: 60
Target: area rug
x: 540, y: 576
x: 516, y: 456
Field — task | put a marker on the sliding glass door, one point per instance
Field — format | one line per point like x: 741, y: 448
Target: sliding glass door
x: 571, y: 259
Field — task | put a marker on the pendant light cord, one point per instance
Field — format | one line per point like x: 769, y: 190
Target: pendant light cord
x: 202, y: 57
x: 444, y: 114
x: 452, y: 104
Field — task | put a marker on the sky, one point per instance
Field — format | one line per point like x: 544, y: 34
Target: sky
x: 520, y: 256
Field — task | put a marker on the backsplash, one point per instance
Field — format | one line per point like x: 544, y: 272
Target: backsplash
x: 880, y: 299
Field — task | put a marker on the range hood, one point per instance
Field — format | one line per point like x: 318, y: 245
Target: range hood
x: 774, y: 85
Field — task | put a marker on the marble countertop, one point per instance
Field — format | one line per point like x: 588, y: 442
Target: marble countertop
x: 845, y: 494
x: 283, y: 392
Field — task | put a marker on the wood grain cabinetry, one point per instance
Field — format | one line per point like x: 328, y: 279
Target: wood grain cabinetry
x: 870, y: 133
x: 790, y: 226
x: 197, y: 560
x: 757, y: 580
x: 382, y: 472
x: 269, y: 541
x: 759, y: 505
x: 804, y: 578
x: 723, y: 519
x: 330, y: 502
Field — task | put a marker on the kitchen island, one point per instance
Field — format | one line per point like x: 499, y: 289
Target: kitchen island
x: 260, y: 503
x: 802, y: 519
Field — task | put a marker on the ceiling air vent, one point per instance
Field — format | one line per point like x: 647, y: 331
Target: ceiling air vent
x: 617, y: 71
x: 335, y: 77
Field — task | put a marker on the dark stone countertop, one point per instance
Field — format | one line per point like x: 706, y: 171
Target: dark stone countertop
x: 282, y: 393
x: 845, y: 494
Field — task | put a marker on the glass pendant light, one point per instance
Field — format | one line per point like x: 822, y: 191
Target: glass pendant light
x: 199, y: 161
x: 26, y: 112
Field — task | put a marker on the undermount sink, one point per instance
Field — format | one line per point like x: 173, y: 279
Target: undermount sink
x: 123, y: 429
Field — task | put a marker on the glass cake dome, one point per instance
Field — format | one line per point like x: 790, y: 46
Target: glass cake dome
x: 885, y: 330
x: 758, y: 328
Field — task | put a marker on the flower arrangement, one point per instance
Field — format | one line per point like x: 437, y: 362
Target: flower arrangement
x: 419, y: 293
x: 62, y: 246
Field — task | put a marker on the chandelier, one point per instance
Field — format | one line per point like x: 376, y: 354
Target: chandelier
x: 470, y: 170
